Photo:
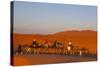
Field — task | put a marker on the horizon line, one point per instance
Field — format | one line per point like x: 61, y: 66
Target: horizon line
x: 55, y: 32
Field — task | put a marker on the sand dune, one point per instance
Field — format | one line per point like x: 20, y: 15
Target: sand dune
x: 85, y: 38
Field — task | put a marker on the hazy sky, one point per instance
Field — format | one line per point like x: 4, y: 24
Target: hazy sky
x: 46, y: 18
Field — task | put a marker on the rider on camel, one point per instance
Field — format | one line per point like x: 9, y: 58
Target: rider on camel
x: 34, y: 43
x: 46, y: 43
x: 70, y: 46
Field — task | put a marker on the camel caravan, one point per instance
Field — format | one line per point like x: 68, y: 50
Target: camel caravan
x: 56, y: 48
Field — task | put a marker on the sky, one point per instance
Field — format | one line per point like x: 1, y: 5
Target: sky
x: 48, y: 18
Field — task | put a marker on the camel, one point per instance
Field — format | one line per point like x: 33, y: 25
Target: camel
x: 19, y: 49
x: 55, y: 48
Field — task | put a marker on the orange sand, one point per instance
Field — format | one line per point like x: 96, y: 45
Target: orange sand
x: 48, y: 59
x: 85, y: 38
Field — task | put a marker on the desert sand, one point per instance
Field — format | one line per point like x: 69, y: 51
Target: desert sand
x: 85, y: 38
x: 20, y: 60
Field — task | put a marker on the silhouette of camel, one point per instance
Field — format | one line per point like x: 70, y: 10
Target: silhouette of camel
x: 56, y: 47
